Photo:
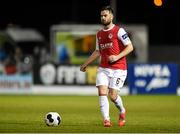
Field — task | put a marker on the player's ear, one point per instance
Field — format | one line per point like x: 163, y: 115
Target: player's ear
x: 112, y: 17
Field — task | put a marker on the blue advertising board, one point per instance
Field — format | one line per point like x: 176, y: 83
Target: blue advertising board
x: 15, y: 82
x: 153, y: 78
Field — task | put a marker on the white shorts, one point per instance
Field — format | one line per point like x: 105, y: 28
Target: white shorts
x: 112, y: 78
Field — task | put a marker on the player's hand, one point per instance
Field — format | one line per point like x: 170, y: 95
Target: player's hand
x: 83, y: 68
x: 112, y: 58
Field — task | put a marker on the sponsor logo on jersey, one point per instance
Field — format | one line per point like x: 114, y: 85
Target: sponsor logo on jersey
x: 106, y: 45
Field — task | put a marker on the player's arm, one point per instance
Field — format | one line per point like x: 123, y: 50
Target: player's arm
x: 93, y: 57
x: 126, y: 51
x: 123, y: 36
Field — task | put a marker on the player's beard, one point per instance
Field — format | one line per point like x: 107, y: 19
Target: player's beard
x: 106, y: 23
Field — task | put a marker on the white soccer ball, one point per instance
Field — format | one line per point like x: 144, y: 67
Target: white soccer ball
x: 52, y: 119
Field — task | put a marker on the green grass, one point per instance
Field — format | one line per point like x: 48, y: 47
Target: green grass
x: 81, y: 114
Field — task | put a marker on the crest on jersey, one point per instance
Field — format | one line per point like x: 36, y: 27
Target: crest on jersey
x: 110, y: 36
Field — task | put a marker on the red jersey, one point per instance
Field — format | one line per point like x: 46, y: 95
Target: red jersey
x: 109, y: 43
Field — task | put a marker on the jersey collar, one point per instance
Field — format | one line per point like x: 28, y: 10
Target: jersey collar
x: 108, y: 28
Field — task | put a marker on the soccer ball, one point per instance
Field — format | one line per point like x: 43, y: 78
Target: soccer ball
x: 52, y: 119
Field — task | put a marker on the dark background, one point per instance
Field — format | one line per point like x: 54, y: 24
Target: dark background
x: 163, y: 22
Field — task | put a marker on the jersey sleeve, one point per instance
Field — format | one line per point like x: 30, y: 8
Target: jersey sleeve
x: 123, y: 36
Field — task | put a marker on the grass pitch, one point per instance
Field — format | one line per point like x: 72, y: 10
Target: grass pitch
x: 81, y: 114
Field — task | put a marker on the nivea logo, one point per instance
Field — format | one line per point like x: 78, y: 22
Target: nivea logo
x: 152, y: 70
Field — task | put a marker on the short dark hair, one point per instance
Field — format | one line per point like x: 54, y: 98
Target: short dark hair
x: 109, y: 8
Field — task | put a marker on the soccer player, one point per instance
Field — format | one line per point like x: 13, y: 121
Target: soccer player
x: 112, y: 46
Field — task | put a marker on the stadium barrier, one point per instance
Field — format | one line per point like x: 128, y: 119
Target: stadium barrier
x: 55, y: 79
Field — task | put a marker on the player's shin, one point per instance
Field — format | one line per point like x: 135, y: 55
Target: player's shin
x: 104, y: 106
x: 119, y: 104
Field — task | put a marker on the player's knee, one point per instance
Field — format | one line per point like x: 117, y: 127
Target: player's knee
x: 102, y: 93
x: 112, y: 97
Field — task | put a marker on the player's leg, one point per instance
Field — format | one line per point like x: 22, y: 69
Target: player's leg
x: 115, y: 84
x: 117, y: 100
x: 104, y: 104
x: 102, y: 84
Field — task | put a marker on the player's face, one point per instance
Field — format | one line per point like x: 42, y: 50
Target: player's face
x: 106, y: 17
